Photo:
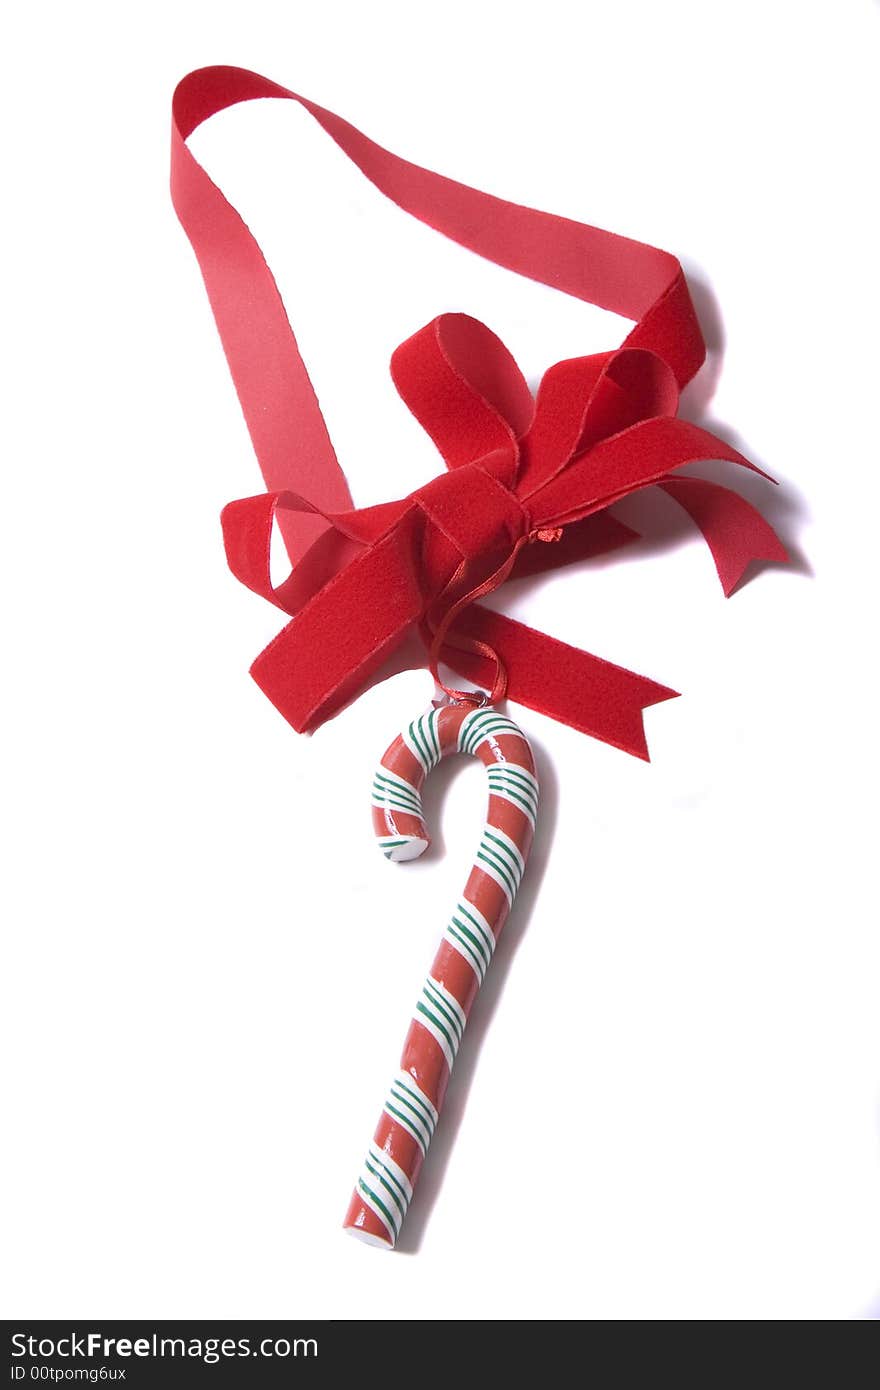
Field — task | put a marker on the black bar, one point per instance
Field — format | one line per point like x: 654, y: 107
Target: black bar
x: 141, y: 1352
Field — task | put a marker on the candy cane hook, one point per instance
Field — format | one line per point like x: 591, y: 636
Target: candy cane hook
x: 385, y: 1185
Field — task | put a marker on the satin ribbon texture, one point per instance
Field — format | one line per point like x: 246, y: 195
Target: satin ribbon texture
x: 528, y: 482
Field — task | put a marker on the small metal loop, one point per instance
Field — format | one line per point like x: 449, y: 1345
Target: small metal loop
x: 478, y: 698
x: 446, y: 698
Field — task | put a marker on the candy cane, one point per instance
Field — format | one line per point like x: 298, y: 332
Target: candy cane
x: 385, y: 1186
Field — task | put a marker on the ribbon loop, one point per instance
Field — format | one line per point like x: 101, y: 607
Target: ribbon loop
x: 465, y: 389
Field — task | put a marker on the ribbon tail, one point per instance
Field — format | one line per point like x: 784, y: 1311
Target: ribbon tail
x: 583, y: 691
x: 735, y: 532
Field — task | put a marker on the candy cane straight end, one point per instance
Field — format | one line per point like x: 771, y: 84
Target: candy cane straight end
x: 356, y: 1224
x: 379, y: 1201
x: 385, y: 1185
x: 401, y: 848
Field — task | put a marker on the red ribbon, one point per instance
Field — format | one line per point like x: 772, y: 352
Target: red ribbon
x: 528, y: 485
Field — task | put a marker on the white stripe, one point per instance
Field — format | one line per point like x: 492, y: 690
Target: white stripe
x: 490, y: 852
x: 406, y: 1080
x: 368, y: 1202
x: 468, y: 952
x: 383, y: 795
x: 496, y: 726
x: 450, y: 1001
x: 440, y: 1038
x: 446, y: 1022
x: 404, y: 1097
x: 521, y: 772
x: 518, y: 799
x: 407, y: 1120
x: 428, y: 735
x: 391, y: 1195
x: 491, y: 872
x: 410, y: 848
x: 395, y: 1200
x: 476, y: 924
x: 388, y: 783
x: 442, y: 1032
x: 396, y: 1171
x: 393, y: 806
x: 511, y: 847
x: 472, y: 915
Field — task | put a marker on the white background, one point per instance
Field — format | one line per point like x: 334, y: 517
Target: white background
x: 667, y: 1103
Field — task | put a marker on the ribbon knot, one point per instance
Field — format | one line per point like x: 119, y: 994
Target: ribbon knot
x: 486, y: 524
x: 600, y: 428
x: 475, y: 513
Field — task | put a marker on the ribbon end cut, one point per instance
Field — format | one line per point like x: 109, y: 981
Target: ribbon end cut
x: 736, y: 533
x: 636, y: 741
x: 773, y: 553
x: 584, y: 691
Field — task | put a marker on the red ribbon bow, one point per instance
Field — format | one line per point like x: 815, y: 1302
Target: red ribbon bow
x: 519, y: 470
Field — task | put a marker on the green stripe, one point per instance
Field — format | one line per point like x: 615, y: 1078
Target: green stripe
x: 427, y: 729
x: 511, y: 795
x: 392, y: 792
x: 389, y: 789
x: 484, y: 938
x: 503, y: 787
x: 468, y: 910
x: 484, y: 725
x: 383, y: 786
x: 402, y: 1100
x: 504, y: 863
x: 380, y: 1204
x: 446, y: 1009
x: 476, y: 726
x: 407, y: 1124
x: 512, y: 853
x: 380, y: 1173
x: 400, y: 783
x: 429, y: 1118
x: 420, y: 1008
x: 390, y: 1175
x: 502, y: 771
x: 389, y: 846
x: 476, y: 937
x: 500, y: 868
x: 440, y: 1003
x: 493, y: 845
x: 484, y: 732
x: 465, y: 733
x: 424, y: 741
x: 476, y: 940
x: 417, y: 739
x: 478, y: 964
x: 474, y: 733
x: 387, y: 802
x: 435, y: 733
